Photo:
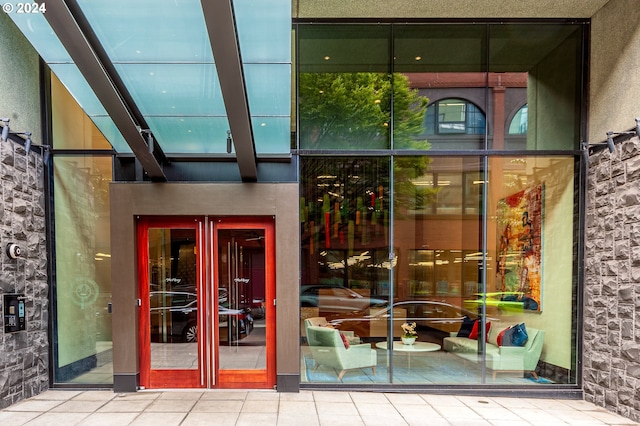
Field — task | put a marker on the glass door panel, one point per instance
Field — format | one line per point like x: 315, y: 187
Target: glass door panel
x: 173, y: 298
x: 241, y: 296
x: 206, y: 288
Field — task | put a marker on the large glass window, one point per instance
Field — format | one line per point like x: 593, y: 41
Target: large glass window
x: 474, y: 253
x: 82, y: 327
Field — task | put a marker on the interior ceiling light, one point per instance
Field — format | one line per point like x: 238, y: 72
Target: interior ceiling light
x: 326, y: 58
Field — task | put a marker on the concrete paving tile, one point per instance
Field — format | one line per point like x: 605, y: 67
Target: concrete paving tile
x: 380, y: 410
x: 171, y: 406
x: 40, y: 405
x: 373, y: 420
x: 442, y: 400
x: 422, y: 411
x: 187, y: 395
x: 60, y: 395
x: 155, y: 419
x: 337, y: 408
x: 260, y: 407
x: 217, y: 406
x: 17, y: 418
x: 224, y: 395
x: 300, y: 419
x: 297, y: 407
x: 301, y: 396
x: 610, y: 418
x: 125, y: 406
x: 458, y: 413
x: 538, y: 416
x: 108, y: 419
x: 146, y: 395
x: 95, y: 396
x: 331, y: 420
x: 66, y: 419
x: 405, y: 399
x: 210, y: 419
x: 75, y: 406
x: 253, y: 419
x: 378, y: 398
x: 477, y: 401
x: 263, y: 396
x: 459, y: 422
x: 513, y: 402
x: 496, y: 412
x: 332, y: 396
x: 421, y: 421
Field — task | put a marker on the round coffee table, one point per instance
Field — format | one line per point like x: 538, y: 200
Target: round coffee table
x: 416, y: 347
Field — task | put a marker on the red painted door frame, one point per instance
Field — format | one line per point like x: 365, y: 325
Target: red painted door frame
x: 196, y: 378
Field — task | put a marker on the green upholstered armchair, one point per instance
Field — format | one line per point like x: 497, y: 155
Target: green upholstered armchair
x: 328, y: 348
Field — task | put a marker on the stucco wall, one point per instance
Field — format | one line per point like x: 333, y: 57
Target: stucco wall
x: 24, y: 355
x: 612, y: 272
x: 615, y: 59
x: 446, y: 8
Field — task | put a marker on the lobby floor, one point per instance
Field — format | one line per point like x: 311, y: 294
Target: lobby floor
x: 331, y: 408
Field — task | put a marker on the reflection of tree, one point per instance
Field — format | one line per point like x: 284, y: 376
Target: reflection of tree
x: 353, y: 111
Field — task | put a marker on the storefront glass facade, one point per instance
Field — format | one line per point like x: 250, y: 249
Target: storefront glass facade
x: 438, y: 179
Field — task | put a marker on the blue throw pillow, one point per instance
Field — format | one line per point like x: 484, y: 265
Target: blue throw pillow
x: 519, y: 335
x: 466, y: 327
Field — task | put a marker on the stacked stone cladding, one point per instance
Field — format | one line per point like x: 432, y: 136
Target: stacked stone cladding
x: 24, y: 355
x: 611, y: 326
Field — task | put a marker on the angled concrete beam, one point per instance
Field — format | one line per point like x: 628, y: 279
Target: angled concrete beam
x: 221, y: 26
x: 65, y: 26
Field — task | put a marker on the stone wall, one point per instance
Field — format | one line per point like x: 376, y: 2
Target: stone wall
x: 24, y: 355
x: 612, y: 280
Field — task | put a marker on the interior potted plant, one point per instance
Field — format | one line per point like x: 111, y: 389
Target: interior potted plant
x: 409, y: 334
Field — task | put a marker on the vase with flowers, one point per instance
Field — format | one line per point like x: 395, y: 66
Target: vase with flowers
x: 409, y: 334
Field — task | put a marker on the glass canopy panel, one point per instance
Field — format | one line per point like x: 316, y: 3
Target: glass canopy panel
x: 150, y: 30
x: 272, y: 134
x: 76, y: 84
x: 264, y: 30
x: 268, y: 88
x: 190, y: 135
x: 174, y: 89
x: 110, y: 131
x: 40, y: 34
x: 70, y: 76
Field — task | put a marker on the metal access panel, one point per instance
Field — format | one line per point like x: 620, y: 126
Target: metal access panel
x: 14, y: 313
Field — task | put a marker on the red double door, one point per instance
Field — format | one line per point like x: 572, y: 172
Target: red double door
x: 207, y: 289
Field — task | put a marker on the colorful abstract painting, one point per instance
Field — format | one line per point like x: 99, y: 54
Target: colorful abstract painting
x: 520, y: 220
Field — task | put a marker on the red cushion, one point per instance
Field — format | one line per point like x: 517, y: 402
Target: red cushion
x: 501, y: 335
x: 474, y: 330
x: 345, y: 341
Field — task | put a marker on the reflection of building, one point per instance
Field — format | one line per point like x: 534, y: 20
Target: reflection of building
x: 178, y: 128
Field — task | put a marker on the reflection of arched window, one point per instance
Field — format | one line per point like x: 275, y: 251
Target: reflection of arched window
x: 518, y: 124
x: 454, y: 116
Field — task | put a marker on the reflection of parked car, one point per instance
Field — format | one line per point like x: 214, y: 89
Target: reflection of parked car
x: 428, y: 315
x: 174, y: 314
x: 506, y: 302
x: 334, y: 298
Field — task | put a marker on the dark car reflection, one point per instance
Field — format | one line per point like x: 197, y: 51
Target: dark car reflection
x: 434, y: 319
x: 334, y: 298
x: 174, y: 318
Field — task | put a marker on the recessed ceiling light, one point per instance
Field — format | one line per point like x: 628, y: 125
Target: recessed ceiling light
x: 326, y: 58
x: 418, y: 58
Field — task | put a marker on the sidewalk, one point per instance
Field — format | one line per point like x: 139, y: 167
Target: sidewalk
x: 308, y: 408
